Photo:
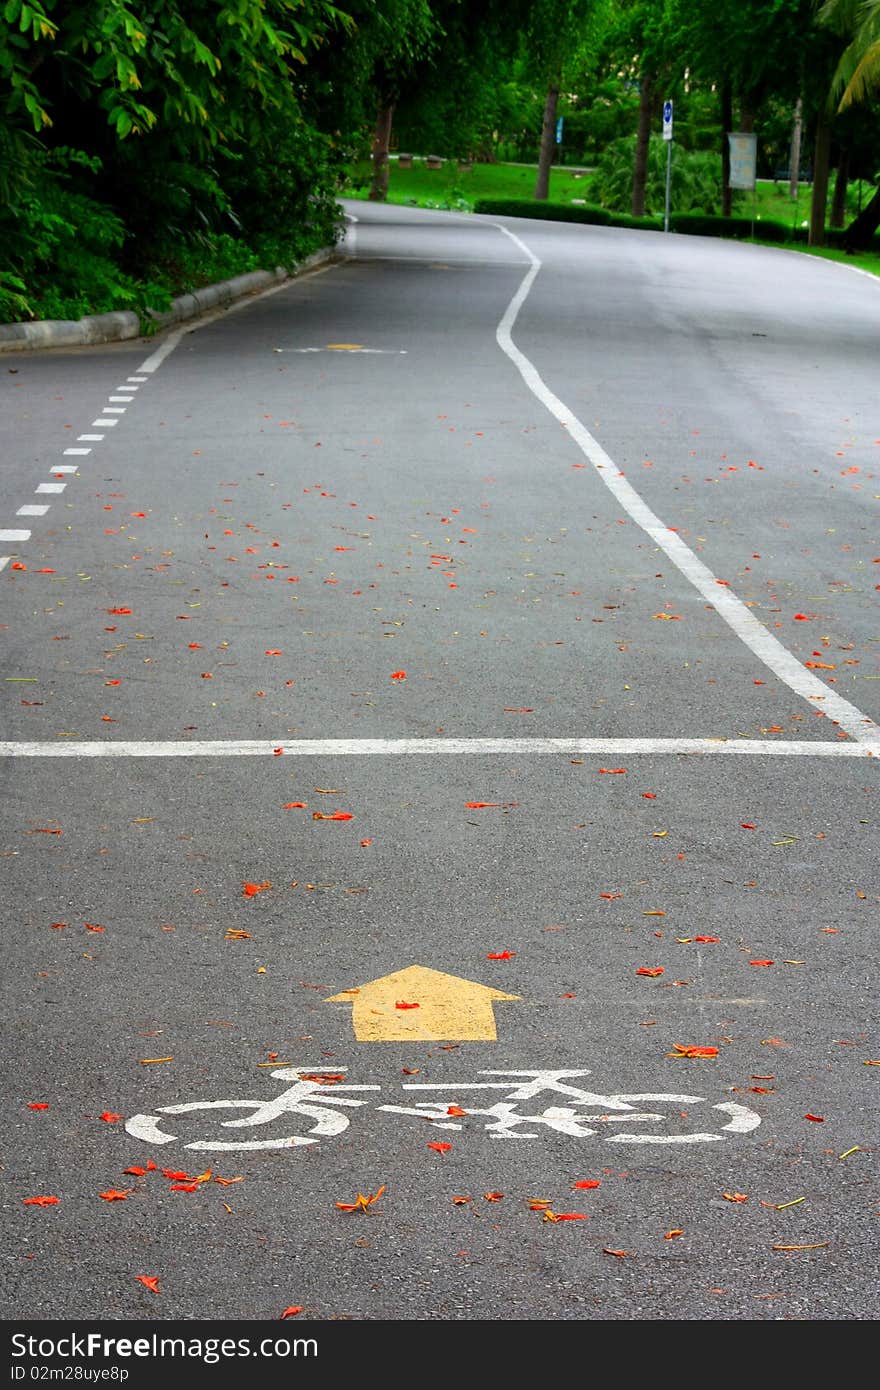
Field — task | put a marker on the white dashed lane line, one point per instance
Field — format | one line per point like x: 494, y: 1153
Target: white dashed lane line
x: 82, y: 449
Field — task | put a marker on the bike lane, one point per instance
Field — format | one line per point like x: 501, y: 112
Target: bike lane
x: 212, y: 913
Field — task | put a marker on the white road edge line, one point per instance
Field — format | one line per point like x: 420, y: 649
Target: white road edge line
x: 738, y: 617
x: 382, y: 747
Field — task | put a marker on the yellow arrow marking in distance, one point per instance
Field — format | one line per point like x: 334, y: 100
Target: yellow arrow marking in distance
x: 343, y: 347
x: 438, y: 1007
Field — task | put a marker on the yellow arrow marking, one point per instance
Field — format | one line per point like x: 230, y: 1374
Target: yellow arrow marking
x: 440, y: 1007
x: 343, y: 347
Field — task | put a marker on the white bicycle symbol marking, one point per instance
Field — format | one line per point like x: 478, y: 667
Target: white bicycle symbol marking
x: 321, y: 1098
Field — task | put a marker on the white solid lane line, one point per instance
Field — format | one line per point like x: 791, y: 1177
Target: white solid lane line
x: 382, y: 747
x: 748, y: 629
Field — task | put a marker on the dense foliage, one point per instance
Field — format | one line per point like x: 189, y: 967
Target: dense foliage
x: 147, y: 146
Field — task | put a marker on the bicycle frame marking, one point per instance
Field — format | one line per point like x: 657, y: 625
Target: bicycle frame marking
x: 582, y: 1115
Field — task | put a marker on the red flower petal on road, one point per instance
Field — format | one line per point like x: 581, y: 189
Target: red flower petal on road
x: 115, y: 1195
x: 109, y: 1117
x: 250, y: 890
x: 40, y: 1201
x: 651, y: 970
x: 819, y: 1119
x: 38, y: 1105
x: 761, y: 962
x: 615, y: 770
x: 290, y: 1313
x: 402, y: 1004
x: 398, y: 675
x: 294, y: 805
x: 587, y: 1183
x: 149, y: 1281
x: 440, y: 1148
x: 501, y: 955
x: 688, y: 1050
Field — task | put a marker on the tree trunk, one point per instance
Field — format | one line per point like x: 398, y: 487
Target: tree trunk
x: 726, y: 127
x: 381, y: 142
x: 859, y: 235
x: 548, y: 139
x: 816, y: 236
x: 794, y: 161
x: 643, y: 138
x: 838, y: 200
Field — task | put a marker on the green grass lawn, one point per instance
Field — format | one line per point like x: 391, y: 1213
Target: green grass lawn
x: 453, y: 187
x: 457, y: 189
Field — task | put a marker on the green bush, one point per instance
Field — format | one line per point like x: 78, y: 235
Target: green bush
x: 695, y: 177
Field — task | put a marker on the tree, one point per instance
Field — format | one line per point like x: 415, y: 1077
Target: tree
x: 856, y: 79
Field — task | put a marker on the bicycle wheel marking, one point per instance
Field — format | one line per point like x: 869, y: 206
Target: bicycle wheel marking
x: 320, y: 1105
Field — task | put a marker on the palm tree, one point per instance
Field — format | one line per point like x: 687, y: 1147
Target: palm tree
x: 857, y: 76
x: 856, y: 79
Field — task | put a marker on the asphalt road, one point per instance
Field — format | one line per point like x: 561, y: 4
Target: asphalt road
x: 500, y: 603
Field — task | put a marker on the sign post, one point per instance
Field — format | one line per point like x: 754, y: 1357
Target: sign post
x: 667, y: 136
x: 743, y: 146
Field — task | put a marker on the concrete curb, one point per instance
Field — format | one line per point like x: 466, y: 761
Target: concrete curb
x: 125, y: 324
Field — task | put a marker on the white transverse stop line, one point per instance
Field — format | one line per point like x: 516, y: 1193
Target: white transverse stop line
x: 428, y: 747
x: 748, y: 629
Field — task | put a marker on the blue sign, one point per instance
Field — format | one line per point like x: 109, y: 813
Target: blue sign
x: 559, y: 131
x: 667, y: 120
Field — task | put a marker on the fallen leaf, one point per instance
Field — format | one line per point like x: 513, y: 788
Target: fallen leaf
x: 290, y: 1313
x: 761, y: 962
x: 250, y: 890
x: 688, y: 1050
x: 615, y: 771
x: 651, y: 970
x: 502, y: 955
x: 586, y: 1183
x: 402, y: 1004
x: 108, y: 1117
x: 40, y: 1201
x: 670, y: 1235
x: 335, y: 815
x: 149, y: 1281
x: 441, y: 1148
x: 494, y: 1196
x: 460, y: 1201
x: 38, y: 1105
x: 819, y: 1246
x: 735, y: 1196
x: 114, y: 1195
x: 361, y: 1203
x: 819, y: 1119
x: 621, y: 1254
x: 455, y: 1110
x: 398, y: 675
